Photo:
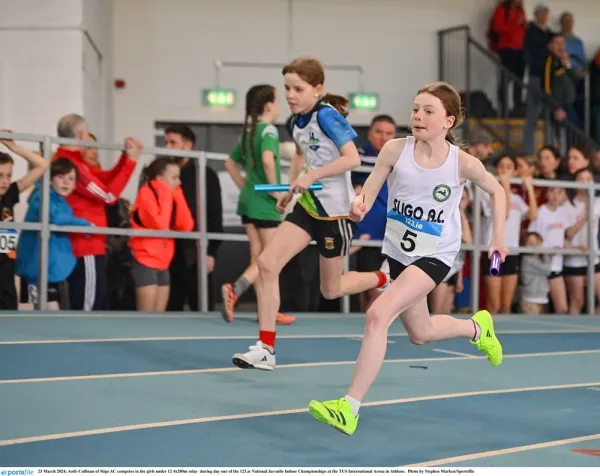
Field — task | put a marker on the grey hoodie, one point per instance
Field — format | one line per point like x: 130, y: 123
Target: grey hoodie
x: 534, y: 278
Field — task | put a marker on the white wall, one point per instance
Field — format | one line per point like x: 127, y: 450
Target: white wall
x: 40, y: 68
x: 166, y: 50
x: 48, y: 66
x: 40, y: 63
x: 97, y: 67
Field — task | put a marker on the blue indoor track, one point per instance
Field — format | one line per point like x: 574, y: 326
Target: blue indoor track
x: 141, y: 390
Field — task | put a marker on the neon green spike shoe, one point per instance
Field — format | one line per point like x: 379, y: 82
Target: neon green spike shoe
x: 335, y: 413
x: 488, y: 342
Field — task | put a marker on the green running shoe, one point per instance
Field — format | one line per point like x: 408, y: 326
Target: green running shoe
x: 335, y: 413
x: 488, y: 342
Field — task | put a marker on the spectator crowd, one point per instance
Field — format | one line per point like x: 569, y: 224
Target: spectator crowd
x: 552, y: 63
x: 95, y: 272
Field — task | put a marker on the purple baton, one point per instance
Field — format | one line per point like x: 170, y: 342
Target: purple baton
x: 495, y: 264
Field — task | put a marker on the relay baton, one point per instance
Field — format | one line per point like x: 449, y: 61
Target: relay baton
x: 282, y: 187
x: 495, y: 264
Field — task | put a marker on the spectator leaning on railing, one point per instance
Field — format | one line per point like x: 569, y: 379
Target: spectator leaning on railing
x: 184, y: 267
x: 9, y: 197
x: 95, y: 188
x: 61, y: 261
x: 160, y: 205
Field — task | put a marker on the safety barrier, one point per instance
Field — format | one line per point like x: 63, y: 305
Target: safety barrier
x: 202, y: 236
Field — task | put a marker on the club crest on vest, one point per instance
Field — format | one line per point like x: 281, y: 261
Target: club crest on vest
x: 441, y: 193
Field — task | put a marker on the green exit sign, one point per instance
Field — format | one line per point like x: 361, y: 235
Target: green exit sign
x: 219, y: 97
x: 364, y: 101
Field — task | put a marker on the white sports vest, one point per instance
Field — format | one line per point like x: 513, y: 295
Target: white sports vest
x: 334, y: 200
x: 423, y: 217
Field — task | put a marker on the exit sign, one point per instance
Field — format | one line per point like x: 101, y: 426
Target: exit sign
x: 364, y: 101
x: 219, y: 97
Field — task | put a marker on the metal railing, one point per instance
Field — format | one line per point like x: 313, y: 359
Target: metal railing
x: 470, y: 66
x: 202, y: 236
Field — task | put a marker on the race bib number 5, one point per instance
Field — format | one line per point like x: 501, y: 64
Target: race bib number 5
x: 414, y: 237
x: 8, y: 241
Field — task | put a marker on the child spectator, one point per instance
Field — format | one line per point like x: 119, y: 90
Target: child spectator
x: 527, y: 166
x: 9, y: 197
x: 575, y: 267
x: 552, y: 222
x: 160, y: 205
x: 577, y: 158
x: 549, y: 162
x: 500, y: 290
x: 61, y: 260
x: 535, y: 270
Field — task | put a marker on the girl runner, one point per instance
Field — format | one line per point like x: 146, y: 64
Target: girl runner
x: 327, y: 154
x: 257, y: 151
x: 427, y: 173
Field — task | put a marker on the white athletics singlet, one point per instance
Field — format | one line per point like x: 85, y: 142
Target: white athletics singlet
x: 423, y: 218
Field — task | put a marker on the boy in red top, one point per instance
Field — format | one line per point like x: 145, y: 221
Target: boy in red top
x: 95, y: 189
x: 509, y: 23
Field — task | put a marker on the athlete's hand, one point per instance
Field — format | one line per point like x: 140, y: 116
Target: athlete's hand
x: 301, y: 184
x: 500, y: 247
x: 283, y: 201
x: 358, y: 209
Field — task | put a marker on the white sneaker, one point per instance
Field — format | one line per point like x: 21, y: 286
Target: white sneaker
x: 385, y: 269
x: 258, y: 357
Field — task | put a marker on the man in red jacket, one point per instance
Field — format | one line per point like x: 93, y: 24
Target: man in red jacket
x: 509, y: 23
x: 95, y: 188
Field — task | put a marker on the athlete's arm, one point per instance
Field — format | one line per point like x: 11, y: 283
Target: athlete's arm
x: 269, y: 146
x: 386, y: 160
x: 337, y: 129
x: 234, y: 172
x: 472, y: 169
x: 348, y: 160
x: 233, y: 165
x: 296, y: 165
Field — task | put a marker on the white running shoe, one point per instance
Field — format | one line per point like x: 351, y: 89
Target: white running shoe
x: 385, y: 269
x: 258, y: 357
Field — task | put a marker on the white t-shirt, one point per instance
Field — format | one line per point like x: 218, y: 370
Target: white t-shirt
x: 581, y: 238
x: 512, y: 228
x: 551, y: 225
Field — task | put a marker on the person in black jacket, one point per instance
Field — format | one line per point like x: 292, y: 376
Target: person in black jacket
x: 537, y: 37
x: 184, y: 270
x: 560, y: 81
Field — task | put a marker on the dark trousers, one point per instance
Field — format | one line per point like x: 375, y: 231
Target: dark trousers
x: 88, y: 284
x: 514, y: 61
x: 184, y: 289
x: 8, y: 290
